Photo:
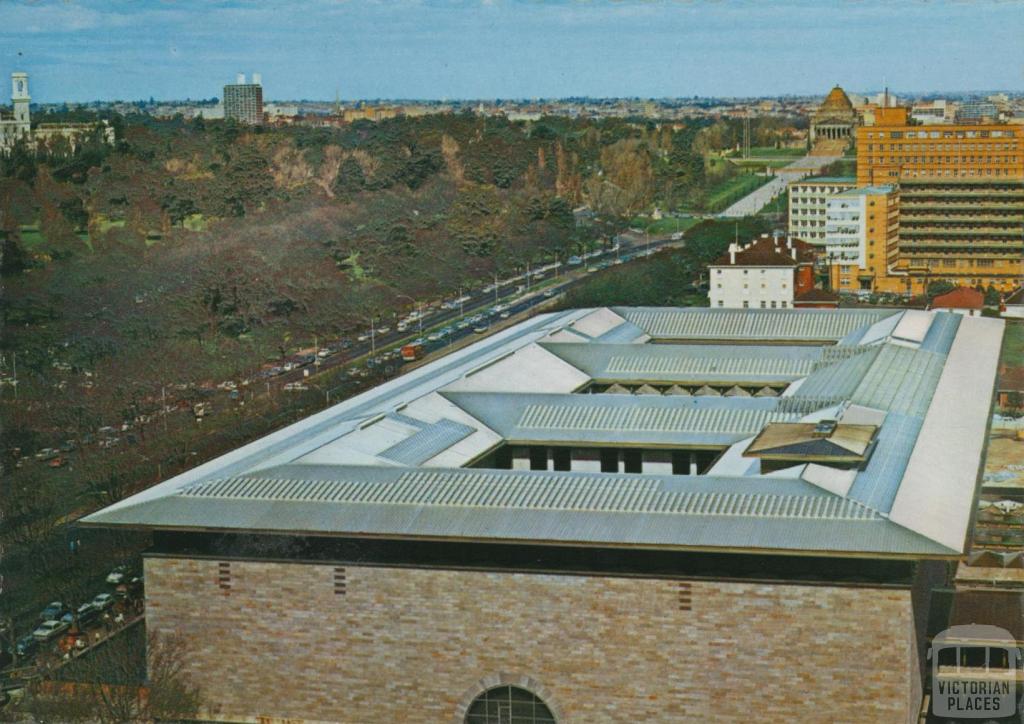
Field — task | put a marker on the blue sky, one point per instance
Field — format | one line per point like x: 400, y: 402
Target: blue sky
x: 79, y: 50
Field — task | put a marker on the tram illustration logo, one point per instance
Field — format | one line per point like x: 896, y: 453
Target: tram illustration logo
x: 975, y: 669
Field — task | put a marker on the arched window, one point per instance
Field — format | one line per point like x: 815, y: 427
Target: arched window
x: 508, y: 705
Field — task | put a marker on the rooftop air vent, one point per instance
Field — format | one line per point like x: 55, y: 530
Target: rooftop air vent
x: 824, y: 428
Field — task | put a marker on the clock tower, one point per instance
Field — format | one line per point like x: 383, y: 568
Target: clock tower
x: 20, y: 99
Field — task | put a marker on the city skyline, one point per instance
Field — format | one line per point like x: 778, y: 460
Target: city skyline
x: 84, y: 51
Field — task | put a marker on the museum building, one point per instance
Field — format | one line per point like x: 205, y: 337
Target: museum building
x: 613, y: 514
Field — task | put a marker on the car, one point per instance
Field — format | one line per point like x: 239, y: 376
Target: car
x: 295, y: 387
x: 84, y: 615
x: 480, y: 329
x: 550, y: 293
x: 363, y: 338
x: 575, y: 261
x: 434, y: 337
x: 504, y: 315
x: 103, y: 601
x: 591, y: 269
x: 118, y: 574
x: 49, y: 630
x: 53, y: 610
x: 383, y: 330
x: 27, y: 645
x: 464, y: 324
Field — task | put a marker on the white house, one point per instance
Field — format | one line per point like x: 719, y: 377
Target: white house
x: 764, y: 274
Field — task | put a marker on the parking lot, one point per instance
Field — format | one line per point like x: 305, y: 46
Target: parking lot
x: 64, y: 631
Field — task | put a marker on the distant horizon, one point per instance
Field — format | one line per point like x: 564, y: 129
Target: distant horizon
x: 900, y: 95
x: 470, y: 50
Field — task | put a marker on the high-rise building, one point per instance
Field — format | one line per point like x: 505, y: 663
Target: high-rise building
x: 244, y: 101
x: 969, y: 231
x: 961, y: 190
x: 892, y: 150
x: 861, y: 234
x: 807, y: 203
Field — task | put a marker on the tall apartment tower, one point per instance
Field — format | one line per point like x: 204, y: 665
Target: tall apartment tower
x: 244, y: 101
x: 961, y: 190
x: 20, y: 99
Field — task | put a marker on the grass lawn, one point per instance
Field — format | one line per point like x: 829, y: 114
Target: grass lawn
x: 104, y: 224
x: 670, y: 225
x: 767, y: 152
x: 196, y: 222
x: 30, y: 235
x: 1013, y: 345
x: 779, y: 205
x: 732, y: 190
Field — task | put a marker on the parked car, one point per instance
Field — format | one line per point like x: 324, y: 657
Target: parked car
x: 480, y: 329
x: 54, y: 610
x: 49, y: 630
x: 103, y: 601
x: 550, y: 293
x: 117, y: 575
x: 84, y: 615
x: 27, y: 645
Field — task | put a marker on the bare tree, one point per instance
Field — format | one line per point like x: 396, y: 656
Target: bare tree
x: 104, y: 684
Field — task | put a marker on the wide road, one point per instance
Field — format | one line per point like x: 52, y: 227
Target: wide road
x: 762, y: 196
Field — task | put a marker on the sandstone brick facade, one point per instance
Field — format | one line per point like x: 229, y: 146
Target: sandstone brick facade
x: 302, y: 642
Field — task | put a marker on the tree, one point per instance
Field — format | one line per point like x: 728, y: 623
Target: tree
x: 107, y: 684
x: 939, y: 287
x: 350, y: 178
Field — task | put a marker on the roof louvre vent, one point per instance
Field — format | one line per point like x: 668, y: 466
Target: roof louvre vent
x: 824, y: 428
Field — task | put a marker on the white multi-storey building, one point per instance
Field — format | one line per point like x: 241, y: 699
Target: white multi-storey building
x: 765, y: 274
x: 807, y: 201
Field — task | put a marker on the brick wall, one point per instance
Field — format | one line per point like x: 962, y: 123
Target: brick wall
x: 304, y: 642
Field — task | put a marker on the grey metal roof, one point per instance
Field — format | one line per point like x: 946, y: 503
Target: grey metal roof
x: 840, y: 379
x: 822, y: 325
x: 430, y: 440
x: 258, y: 488
x: 625, y: 332
x: 900, y: 379
x: 569, y: 508
x: 688, y: 364
x: 624, y: 419
x: 942, y: 332
x: 876, y: 485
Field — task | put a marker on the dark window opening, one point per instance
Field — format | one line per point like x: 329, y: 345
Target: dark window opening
x: 503, y: 458
x: 633, y: 461
x: 609, y: 460
x: 680, y: 462
x: 538, y: 458
x: 561, y: 457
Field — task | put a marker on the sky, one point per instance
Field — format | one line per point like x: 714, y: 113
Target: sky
x: 81, y: 50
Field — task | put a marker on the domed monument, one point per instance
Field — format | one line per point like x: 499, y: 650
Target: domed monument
x: 835, y: 118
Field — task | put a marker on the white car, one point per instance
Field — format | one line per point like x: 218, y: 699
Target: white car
x: 49, y: 630
x: 103, y: 601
